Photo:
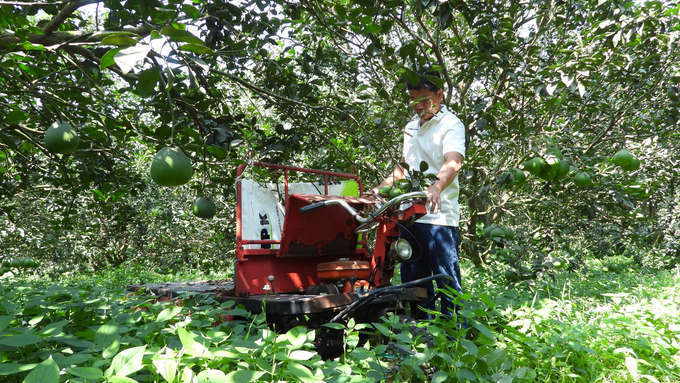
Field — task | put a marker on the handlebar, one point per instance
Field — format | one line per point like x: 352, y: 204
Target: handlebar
x: 356, y: 215
x: 312, y: 207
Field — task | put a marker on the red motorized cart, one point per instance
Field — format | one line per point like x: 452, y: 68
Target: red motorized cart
x: 302, y: 256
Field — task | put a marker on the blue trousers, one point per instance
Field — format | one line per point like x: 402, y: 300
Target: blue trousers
x: 435, y: 251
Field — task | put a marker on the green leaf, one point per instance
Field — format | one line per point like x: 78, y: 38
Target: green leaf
x: 111, y: 350
x: 112, y: 33
x: 496, y: 358
x: 72, y: 341
x: 15, y: 368
x: 180, y: 36
x: 20, y: 340
x: 372, y: 28
x: 107, y: 60
x: 118, y: 40
x: 632, y: 367
x: 167, y: 367
x: 202, y: 64
x: 127, y: 58
x: 168, y: 313
x: 444, y: 17
x: 107, y: 333
x: 35, y: 320
x: 189, y: 343
x: 301, y: 372
x: 89, y: 373
x: 439, y: 377
x: 469, y: 346
x: 360, y: 353
x: 243, y: 376
x: 296, y: 337
x: 191, y: 11
x: 484, y: 330
x: 121, y: 379
x: 219, y: 152
x: 5, y: 320
x: 436, y: 81
x: 74, y: 359
x: 147, y: 81
x: 211, y: 376
x: 501, y: 378
x: 53, y: 328
x: 27, y: 45
x: 128, y: 361
x: 468, y: 375
x: 302, y: 355
x: 334, y: 326
x: 196, y: 48
x: 424, y: 166
x: 382, y: 329
x: 412, y: 77
x: 45, y: 372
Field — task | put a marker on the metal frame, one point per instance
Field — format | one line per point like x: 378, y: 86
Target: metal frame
x: 254, y: 265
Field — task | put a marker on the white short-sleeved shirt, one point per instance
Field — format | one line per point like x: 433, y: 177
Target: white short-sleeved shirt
x: 442, y: 134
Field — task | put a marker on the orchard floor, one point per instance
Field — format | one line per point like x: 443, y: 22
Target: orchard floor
x: 608, y: 322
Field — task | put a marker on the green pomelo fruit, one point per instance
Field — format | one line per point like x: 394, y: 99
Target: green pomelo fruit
x: 16, y: 263
x: 548, y: 173
x: 204, y: 207
x: 395, y: 192
x: 558, y: 263
x: 633, y: 165
x: 4, y: 270
x: 27, y: 262
x: 517, y: 176
x: 563, y: 170
x: 6, y: 264
x: 489, y: 229
x: 60, y: 137
x: 552, y: 163
x: 622, y: 157
x: 385, y: 190
x: 497, y: 232
x: 534, y: 165
x: 171, y: 167
x: 404, y: 184
x: 552, y: 150
x: 509, y: 234
x: 582, y: 179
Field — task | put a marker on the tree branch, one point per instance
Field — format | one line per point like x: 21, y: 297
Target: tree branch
x: 440, y: 58
x: 23, y: 4
x: 257, y: 89
x: 68, y: 10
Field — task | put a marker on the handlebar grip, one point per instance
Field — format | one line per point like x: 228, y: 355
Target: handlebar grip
x: 312, y: 207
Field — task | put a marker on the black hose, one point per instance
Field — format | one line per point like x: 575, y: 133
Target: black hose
x: 373, y: 294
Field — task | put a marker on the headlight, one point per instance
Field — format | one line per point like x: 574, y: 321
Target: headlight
x: 401, y: 250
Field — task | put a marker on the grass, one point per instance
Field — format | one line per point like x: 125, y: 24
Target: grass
x: 594, y: 326
x: 610, y: 322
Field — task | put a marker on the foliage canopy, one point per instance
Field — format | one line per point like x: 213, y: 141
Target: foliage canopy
x: 321, y: 84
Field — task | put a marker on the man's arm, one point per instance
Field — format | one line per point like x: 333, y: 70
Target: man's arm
x: 453, y: 161
x: 397, y: 174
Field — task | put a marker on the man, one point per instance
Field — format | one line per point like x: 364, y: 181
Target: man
x: 436, y: 136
